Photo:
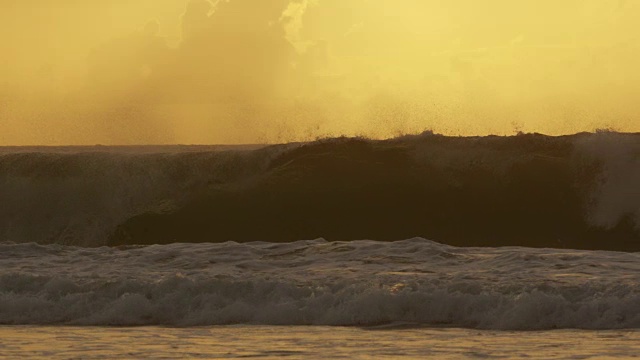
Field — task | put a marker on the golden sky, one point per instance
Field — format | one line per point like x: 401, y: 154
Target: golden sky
x: 247, y: 71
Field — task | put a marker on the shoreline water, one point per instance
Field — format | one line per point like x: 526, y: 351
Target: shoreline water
x: 271, y: 342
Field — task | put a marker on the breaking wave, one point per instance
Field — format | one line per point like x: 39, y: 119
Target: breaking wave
x: 576, y: 191
x: 363, y: 283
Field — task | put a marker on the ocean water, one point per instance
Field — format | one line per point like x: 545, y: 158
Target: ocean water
x: 484, y: 247
x: 413, y: 298
x: 359, y: 283
x: 311, y: 342
x: 576, y: 191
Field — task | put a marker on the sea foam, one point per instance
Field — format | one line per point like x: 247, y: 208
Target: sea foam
x: 362, y: 283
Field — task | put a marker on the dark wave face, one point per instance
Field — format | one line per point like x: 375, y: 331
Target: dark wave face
x: 578, y: 191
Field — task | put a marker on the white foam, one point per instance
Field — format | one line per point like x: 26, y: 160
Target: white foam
x: 318, y: 283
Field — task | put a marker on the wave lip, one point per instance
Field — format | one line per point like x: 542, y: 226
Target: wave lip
x: 363, y: 283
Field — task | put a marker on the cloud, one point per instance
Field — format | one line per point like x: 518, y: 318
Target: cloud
x: 232, y: 50
x: 196, y: 18
x: 292, y: 21
x: 277, y: 70
x: 121, y: 63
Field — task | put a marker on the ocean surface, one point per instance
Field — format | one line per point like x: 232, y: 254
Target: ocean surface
x: 412, y: 298
x: 315, y: 342
x: 360, y: 283
x: 579, y: 191
x: 421, y: 246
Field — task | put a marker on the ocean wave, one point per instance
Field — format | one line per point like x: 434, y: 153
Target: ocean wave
x: 362, y: 283
x: 576, y: 191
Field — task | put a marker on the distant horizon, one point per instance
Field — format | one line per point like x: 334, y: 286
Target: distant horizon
x: 252, y: 146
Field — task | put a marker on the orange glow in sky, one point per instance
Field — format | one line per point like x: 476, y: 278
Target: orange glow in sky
x: 255, y: 71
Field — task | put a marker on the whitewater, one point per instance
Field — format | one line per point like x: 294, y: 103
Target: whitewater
x: 363, y: 283
x: 317, y: 299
